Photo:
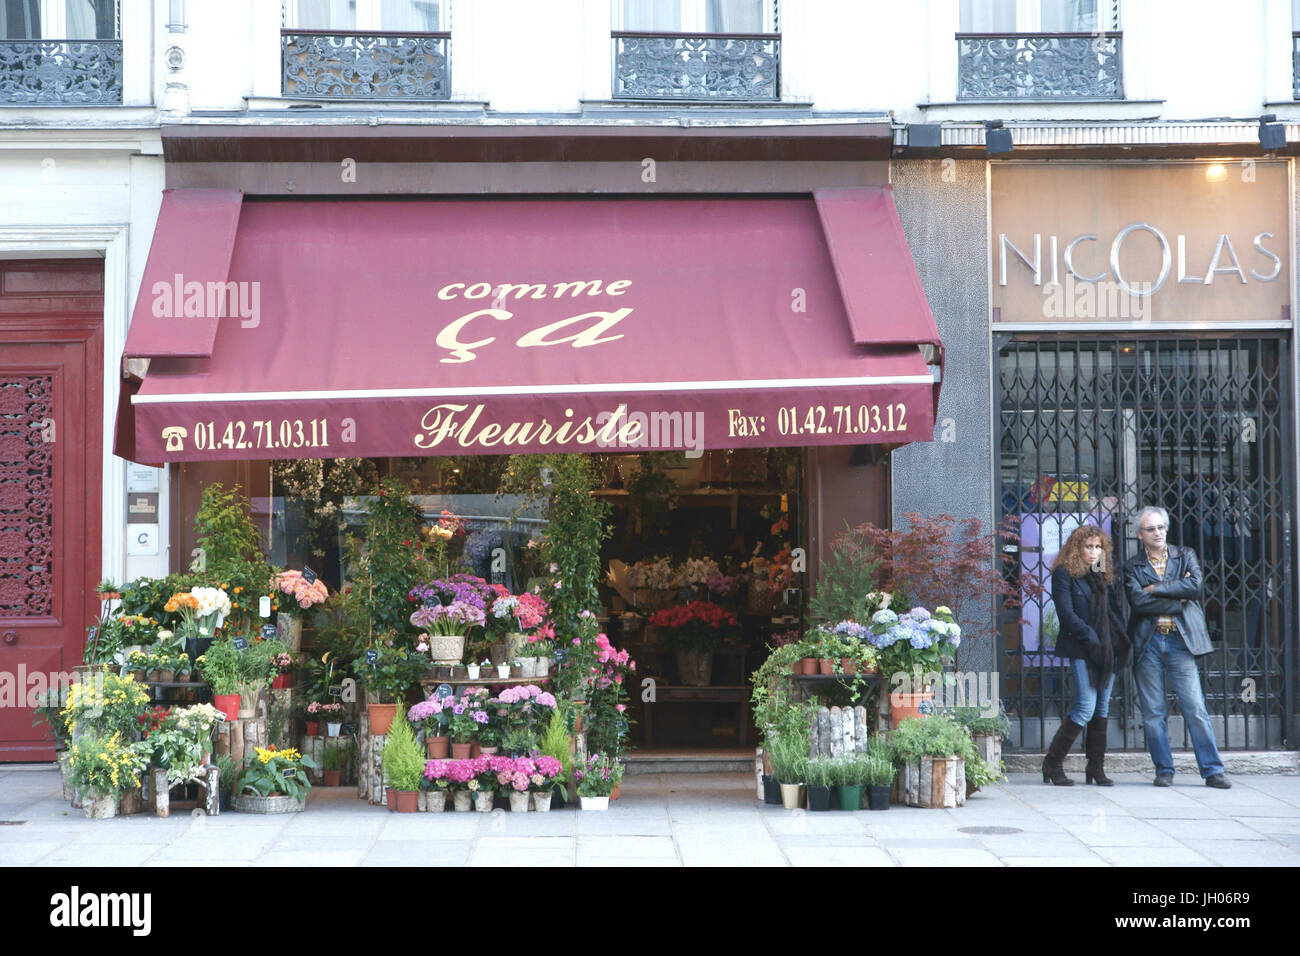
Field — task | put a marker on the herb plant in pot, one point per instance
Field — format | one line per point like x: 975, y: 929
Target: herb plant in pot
x: 819, y: 773
x: 220, y: 666
x: 933, y: 752
x: 389, y: 667
x: 789, y: 755
x: 849, y: 774
x: 880, y: 773
x: 404, y: 765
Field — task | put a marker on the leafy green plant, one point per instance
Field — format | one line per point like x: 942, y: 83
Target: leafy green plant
x: 878, y: 771
x: 403, y: 760
x: 277, y: 771
x: 554, y: 741
x: 227, y: 774
x: 104, y: 765
x: 49, y: 711
x: 935, y: 736
x: 333, y: 758
x: 396, y: 666
x: 978, y: 721
x: 820, y: 772
x: 231, y: 553
x: 846, y: 580
x: 789, y: 756
x: 388, y: 560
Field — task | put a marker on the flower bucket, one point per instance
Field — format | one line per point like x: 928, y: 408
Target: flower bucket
x: 518, y: 802
x: 695, y: 668
x: 100, y: 806
x: 542, y: 801
x: 406, y: 801
x: 904, y: 705
x: 228, y: 704
x: 437, y: 747
x: 435, y: 801
x: 313, y: 728
x: 850, y: 796
x: 331, y: 777
x: 381, y: 717
x: 791, y: 795
x: 593, y: 803
x: 332, y: 727
x: 249, y: 803
x: 248, y: 703
x: 446, y: 648
x: 483, y: 802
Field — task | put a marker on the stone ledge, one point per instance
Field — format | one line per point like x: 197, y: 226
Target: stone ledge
x: 1240, y: 762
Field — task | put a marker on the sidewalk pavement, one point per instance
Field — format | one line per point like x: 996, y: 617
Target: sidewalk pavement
x: 690, y: 820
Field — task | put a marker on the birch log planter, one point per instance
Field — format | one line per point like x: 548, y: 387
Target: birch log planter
x: 935, y: 782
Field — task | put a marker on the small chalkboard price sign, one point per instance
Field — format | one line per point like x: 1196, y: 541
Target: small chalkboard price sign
x: 685, y: 594
x: 349, y: 728
x: 336, y: 690
x: 270, y: 632
x: 308, y: 575
x: 288, y: 772
x: 241, y: 643
x: 372, y: 657
x: 443, y: 691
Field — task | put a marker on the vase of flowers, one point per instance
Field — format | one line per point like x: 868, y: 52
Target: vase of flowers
x: 693, y: 631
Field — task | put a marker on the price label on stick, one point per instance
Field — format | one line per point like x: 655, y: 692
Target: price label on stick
x: 348, y: 728
x: 443, y: 691
x: 336, y: 690
x: 241, y: 643
x: 308, y: 575
x: 372, y: 657
x: 270, y: 632
x: 289, y: 772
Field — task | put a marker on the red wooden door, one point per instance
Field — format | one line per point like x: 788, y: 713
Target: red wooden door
x: 51, y: 368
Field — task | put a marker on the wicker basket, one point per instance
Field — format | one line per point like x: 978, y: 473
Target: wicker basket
x: 446, y: 649
x: 249, y: 803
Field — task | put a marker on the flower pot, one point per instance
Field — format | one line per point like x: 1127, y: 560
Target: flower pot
x: 483, y: 801
x: 389, y: 801
x: 617, y: 791
x: 461, y: 751
x: 518, y: 802
x: 695, y: 668
x: 100, y: 806
x: 461, y: 801
x: 543, y: 666
x: 486, y: 751
x: 313, y: 728
x: 529, y: 666
x: 437, y: 747
x: 474, y: 749
x: 819, y: 798
x: 807, y: 665
x: 331, y: 777
x: 406, y: 801
x: 825, y: 667
x: 248, y: 704
x: 904, y: 705
x: 771, y: 790
x: 473, y: 670
x: 593, y: 803
x: 281, y: 681
x: 878, y: 797
x: 849, y: 666
x: 503, y: 671
x: 333, y: 727
x: 435, y: 801
x: 446, y: 648
x: 248, y: 803
x: 130, y: 802
x: 850, y: 796
x: 542, y: 801
x: 557, y: 798
x: 140, y: 676
x: 165, y: 677
x: 791, y: 795
x: 196, y: 647
x: 458, y: 672
x: 228, y: 704
x: 381, y: 717
x: 515, y: 642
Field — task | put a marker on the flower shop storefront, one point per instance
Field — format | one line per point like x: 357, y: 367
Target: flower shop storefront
x: 443, y: 411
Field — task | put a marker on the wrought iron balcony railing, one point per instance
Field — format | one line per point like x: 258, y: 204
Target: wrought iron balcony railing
x: 1295, y: 65
x: 366, y: 66
x: 61, y: 72
x: 1039, y: 66
x: 727, y: 67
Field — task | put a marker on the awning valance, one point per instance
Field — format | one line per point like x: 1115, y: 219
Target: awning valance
x: 428, y: 327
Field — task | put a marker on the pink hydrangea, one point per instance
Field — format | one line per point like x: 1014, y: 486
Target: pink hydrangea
x: 519, y: 781
x: 548, y: 766
x: 546, y: 700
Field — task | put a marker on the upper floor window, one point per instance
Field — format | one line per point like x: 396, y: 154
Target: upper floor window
x: 728, y: 50
x: 366, y: 49
x: 60, y: 52
x: 1039, y: 49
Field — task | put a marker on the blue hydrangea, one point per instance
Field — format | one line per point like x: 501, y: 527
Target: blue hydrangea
x: 919, y: 614
x: 885, y: 617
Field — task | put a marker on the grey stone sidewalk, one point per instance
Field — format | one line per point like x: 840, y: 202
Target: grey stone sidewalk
x: 691, y: 820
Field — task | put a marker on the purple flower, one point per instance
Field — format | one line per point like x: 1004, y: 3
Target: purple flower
x: 480, y: 717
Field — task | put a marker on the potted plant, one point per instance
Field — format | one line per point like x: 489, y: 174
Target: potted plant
x: 460, y: 774
x: 913, y: 642
x: 227, y: 780
x: 332, y: 713
x: 542, y: 783
x: 789, y: 755
x: 988, y: 728
x: 932, y: 752
x: 275, y: 782
x: 433, y: 716
x: 389, y: 667
x: 434, y: 786
x: 220, y: 667
x: 819, y: 774
x: 182, y: 741
x: 403, y: 764
x: 137, y: 662
x: 466, y: 720
x: 472, y: 670
x: 693, y: 631
x: 503, y: 670
x: 597, y: 779
x: 554, y: 743
x: 312, y: 718
x: 848, y: 776
x: 101, y: 769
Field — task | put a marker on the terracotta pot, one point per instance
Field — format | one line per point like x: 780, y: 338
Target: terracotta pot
x: 381, y: 717
x: 389, y: 798
x: 437, y: 747
x: 902, y: 706
x: 850, y: 666
x: 228, y: 704
x: 807, y: 665
x: 165, y: 677
x: 825, y: 667
x: 331, y: 777
x: 406, y: 801
x: 460, y: 751
x: 474, y: 749
x: 313, y: 728
x: 282, y: 681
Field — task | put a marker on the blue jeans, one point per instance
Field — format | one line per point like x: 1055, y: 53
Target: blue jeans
x: 1167, y: 655
x: 1088, y: 701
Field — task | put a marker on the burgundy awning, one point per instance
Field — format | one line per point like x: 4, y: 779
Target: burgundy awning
x: 427, y: 327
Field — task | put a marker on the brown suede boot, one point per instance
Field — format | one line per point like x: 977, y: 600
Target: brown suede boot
x: 1094, y: 745
x: 1054, y: 761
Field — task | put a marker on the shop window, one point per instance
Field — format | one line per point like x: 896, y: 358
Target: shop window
x: 366, y: 49
x: 60, y: 53
x: 696, y: 50
x: 1039, y: 49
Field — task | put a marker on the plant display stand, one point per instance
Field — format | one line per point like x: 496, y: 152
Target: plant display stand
x: 934, y: 783
x: 842, y: 730
x: 160, y: 791
x: 239, y: 738
x: 313, y: 745
x: 370, y: 767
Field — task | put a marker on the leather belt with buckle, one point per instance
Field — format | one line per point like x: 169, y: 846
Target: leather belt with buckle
x: 1166, y: 628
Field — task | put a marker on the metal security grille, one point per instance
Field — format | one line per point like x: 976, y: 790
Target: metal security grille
x: 1090, y: 429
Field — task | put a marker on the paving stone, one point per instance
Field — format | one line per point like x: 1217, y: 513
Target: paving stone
x: 1152, y: 856
x: 418, y: 853
x: 1183, y: 830
x: 1054, y: 862
x: 944, y: 857
x: 631, y: 847
x: 1245, y: 852
x: 837, y: 856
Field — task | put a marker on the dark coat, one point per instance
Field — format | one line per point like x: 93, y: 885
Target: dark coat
x: 1072, y: 598
x: 1178, y: 596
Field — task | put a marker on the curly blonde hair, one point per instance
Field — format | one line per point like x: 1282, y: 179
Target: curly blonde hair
x: 1072, y: 554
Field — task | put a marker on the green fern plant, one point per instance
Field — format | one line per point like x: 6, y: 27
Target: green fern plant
x: 554, y: 742
x: 402, y: 758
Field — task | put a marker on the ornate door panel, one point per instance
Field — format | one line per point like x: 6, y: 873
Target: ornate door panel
x: 50, y: 447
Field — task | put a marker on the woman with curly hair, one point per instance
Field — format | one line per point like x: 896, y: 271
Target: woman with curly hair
x: 1093, y: 638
